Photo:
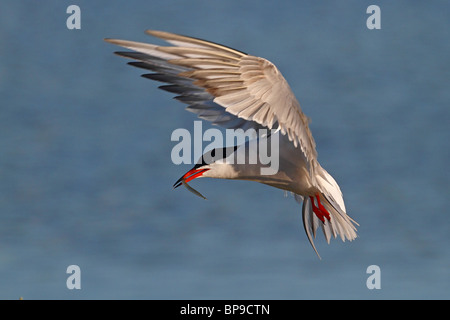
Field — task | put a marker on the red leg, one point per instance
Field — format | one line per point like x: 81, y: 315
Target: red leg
x: 320, y: 210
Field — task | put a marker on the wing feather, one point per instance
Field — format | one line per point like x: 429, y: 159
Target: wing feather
x: 240, y: 89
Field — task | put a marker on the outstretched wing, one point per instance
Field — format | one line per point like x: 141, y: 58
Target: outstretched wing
x: 222, y: 85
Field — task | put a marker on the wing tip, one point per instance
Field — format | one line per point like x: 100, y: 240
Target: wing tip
x: 157, y: 33
x: 111, y: 40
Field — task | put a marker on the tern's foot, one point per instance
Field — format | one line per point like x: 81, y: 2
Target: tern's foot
x: 319, y: 209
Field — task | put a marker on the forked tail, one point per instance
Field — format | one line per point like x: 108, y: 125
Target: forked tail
x: 327, y: 209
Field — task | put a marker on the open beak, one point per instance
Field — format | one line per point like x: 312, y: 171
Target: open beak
x: 190, y: 175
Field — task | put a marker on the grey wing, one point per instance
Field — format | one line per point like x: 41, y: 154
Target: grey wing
x: 199, y: 100
x: 225, y: 86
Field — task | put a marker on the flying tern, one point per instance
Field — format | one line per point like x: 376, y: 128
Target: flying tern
x: 236, y: 90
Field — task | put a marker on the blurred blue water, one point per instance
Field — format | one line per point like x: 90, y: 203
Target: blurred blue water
x: 86, y: 175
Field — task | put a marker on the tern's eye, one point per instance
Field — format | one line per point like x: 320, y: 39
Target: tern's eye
x: 213, y: 153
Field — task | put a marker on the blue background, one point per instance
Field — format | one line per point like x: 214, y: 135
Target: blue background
x: 86, y: 176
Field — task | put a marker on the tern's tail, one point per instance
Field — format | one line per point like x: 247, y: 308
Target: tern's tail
x: 327, y: 210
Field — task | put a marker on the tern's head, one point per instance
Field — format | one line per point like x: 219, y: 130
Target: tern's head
x: 210, y: 161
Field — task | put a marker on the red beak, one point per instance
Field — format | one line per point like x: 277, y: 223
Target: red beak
x: 190, y: 175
